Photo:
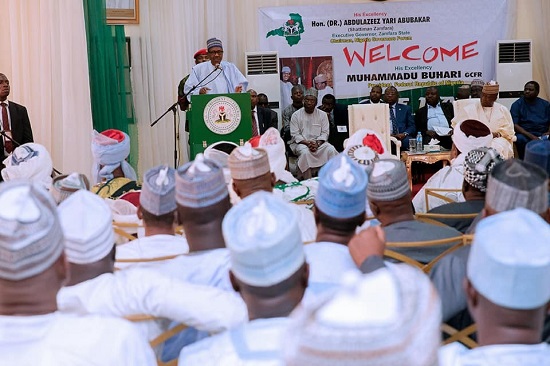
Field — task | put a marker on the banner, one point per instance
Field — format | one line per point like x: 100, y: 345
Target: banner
x: 409, y: 45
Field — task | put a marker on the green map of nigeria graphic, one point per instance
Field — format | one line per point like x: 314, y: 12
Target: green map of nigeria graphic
x: 291, y: 30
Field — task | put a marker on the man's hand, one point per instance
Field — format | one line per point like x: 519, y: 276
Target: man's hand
x: 400, y: 136
x: 204, y: 90
x: 371, y: 241
x: 238, y: 88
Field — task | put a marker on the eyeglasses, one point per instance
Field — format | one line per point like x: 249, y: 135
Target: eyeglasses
x: 215, y: 52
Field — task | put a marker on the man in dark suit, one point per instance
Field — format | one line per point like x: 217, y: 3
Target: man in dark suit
x: 264, y: 103
x: 338, y: 119
x: 375, y: 96
x: 401, y: 119
x: 434, y: 113
x: 260, y: 116
x: 14, y: 122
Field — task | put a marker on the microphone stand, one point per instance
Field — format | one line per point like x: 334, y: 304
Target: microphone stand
x: 173, y: 108
x: 3, y: 133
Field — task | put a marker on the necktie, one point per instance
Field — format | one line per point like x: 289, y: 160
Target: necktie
x: 393, y: 121
x: 254, y: 124
x: 8, y: 145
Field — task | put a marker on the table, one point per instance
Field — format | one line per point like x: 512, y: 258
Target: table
x: 425, y: 157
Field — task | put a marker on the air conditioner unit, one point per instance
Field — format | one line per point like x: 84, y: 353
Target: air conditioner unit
x: 262, y: 73
x: 514, y: 69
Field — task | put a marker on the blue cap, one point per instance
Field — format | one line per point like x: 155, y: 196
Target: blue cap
x: 263, y: 237
x: 200, y: 183
x: 538, y: 152
x: 509, y: 263
x: 158, y: 191
x: 342, y: 188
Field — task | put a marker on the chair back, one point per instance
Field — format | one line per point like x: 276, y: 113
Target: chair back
x: 457, y: 241
x: 375, y: 117
x: 161, y: 338
x: 445, y: 194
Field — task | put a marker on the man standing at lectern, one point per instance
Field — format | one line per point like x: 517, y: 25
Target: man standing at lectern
x: 14, y: 122
x: 216, y: 76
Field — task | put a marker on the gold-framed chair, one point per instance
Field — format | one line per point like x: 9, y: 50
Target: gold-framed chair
x: 161, y: 338
x: 437, y: 193
x: 458, y: 242
x: 125, y: 231
x: 462, y: 336
x: 438, y: 218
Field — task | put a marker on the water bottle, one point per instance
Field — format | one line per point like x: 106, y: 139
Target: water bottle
x: 419, y: 145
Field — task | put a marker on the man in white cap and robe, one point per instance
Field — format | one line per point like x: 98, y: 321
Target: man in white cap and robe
x: 202, y: 201
x: 95, y: 288
x: 29, y: 161
x: 33, y: 268
x: 286, y: 88
x: 339, y: 209
x: 112, y: 175
x: 494, y: 115
x: 391, y: 316
x: 216, y: 76
x: 268, y: 269
x: 157, y: 209
x: 508, y: 291
x: 309, y: 128
x: 467, y: 135
x: 250, y: 172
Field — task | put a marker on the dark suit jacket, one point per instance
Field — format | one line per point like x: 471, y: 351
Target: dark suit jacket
x: 20, y: 127
x: 336, y: 138
x: 264, y: 119
x: 421, y: 122
x: 405, y: 123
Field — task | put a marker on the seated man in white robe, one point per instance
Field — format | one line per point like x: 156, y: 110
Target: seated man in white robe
x: 494, y: 115
x: 94, y: 288
x: 29, y: 161
x: 309, y: 128
x: 250, y: 172
x: 508, y: 292
x: 268, y: 269
x: 391, y: 316
x: 339, y: 209
x: 215, y: 76
x: 202, y: 201
x: 157, y: 209
x: 33, y: 268
x: 467, y: 135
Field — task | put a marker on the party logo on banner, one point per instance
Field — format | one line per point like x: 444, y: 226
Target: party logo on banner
x: 291, y: 30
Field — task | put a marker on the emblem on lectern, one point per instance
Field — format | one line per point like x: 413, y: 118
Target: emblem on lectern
x: 222, y: 115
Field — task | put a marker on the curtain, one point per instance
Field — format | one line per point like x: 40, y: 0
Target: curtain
x: 43, y: 53
x: 108, y: 70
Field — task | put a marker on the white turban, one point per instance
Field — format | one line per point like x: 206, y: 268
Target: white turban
x: 468, y: 143
x: 29, y: 161
x: 110, y: 153
x: 274, y: 145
